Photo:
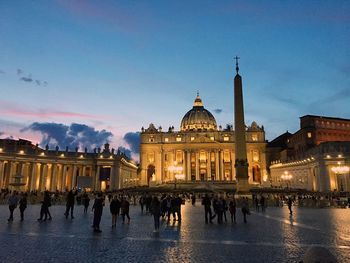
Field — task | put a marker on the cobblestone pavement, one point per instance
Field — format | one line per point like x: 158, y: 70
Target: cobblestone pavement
x: 270, y: 237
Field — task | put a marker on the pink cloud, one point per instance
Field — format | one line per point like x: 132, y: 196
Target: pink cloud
x: 120, y: 18
x: 48, y: 114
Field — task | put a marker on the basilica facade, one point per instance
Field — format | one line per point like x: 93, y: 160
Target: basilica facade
x: 201, y: 151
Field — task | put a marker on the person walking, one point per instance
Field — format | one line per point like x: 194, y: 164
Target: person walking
x: 12, y: 202
x: 45, y: 204
x: 262, y: 203
x: 232, y: 209
x: 206, y: 202
x: 155, y: 206
x: 114, y: 208
x: 98, y: 209
x: 142, y: 203
x: 289, y: 204
x: 193, y: 198
x: 70, y: 203
x: 86, y: 202
x: 125, y: 205
x: 22, y: 205
x: 245, y: 209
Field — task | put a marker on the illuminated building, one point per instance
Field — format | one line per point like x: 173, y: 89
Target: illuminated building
x: 317, y: 156
x: 200, y: 152
x: 27, y: 167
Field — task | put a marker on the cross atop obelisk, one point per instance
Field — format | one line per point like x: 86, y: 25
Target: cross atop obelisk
x: 237, y: 58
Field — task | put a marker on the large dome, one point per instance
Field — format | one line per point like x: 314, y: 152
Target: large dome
x: 198, y: 118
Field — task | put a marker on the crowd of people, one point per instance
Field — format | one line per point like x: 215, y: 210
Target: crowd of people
x: 164, y: 207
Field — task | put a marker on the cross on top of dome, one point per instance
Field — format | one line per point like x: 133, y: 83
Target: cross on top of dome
x: 198, y: 101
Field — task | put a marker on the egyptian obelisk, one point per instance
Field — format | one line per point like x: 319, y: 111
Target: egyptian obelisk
x: 241, y: 163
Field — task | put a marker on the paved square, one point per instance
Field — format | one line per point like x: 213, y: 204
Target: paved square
x: 270, y: 237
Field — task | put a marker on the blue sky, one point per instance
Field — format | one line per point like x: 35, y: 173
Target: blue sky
x: 119, y: 65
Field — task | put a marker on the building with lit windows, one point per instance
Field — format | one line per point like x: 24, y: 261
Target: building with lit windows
x: 315, y: 158
x: 200, y: 152
x: 27, y: 167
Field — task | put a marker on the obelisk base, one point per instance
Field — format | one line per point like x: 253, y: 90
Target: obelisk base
x: 243, y: 187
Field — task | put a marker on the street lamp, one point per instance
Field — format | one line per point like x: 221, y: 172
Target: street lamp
x: 177, y: 171
x: 286, y: 177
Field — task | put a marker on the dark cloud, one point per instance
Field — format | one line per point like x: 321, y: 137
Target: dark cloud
x: 26, y: 79
x: 217, y: 111
x: 2, y: 72
x: 74, y: 135
x: 19, y: 71
x: 38, y: 82
x: 133, y: 140
x: 126, y: 151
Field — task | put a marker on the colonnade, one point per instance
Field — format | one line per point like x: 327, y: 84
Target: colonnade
x: 40, y: 176
x: 210, y: 166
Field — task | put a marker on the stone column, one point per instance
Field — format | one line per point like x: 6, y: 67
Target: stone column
x: 64, y: 178
x: 13, y: 168
x: 217, y: 166
x: 42, y: 180
x: 222, y: 175
x: 233, y: 170
x: 33, y: 176
x: 2, y: 177
x: 197, y: 166
x: 188, y: 165
x: 74, y: 177
x: 53, y: 182
x: 112, y: 178
x: 209, y: 166
x: 97, y: 179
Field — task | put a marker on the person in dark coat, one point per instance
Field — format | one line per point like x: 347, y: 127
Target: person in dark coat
x: 206, y: 202
x: 22, y: 205
x: 70, y: 203
x: 125, y: 209
x: 245, y: 209
x: 232, y: 209
x: 290, y: 203
x: 12, y: 202
x: 45, y: 204
x: 98, y: 209
x: 86, y: 202
x: 114, y: 208
x: 155, y: 206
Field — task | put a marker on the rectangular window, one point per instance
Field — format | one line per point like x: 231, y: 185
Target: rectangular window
x: 226, y: 138
x: 178, y: 139
x: 227, y: 158
x: 309, y: 134
x: 192, y: 138
x: 254, y: 137
x: 256, y: 156
x: 166, y: 139
x: 151, y: 157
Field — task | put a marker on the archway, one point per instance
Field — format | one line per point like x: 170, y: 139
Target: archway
x: 150, y: 172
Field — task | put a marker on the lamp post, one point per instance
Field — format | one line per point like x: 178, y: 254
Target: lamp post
x: 177, y: 171
x: 286, y: 177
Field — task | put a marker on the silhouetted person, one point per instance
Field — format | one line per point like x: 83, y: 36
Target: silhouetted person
x: 193, y: 199
x: 245, y: 209
x: 22, y: 205
x: 142, y: 203
x: 12, y: 202
x: 70, y: 204
x: 45, y: 204
x: 86, y: 202
x: 232, y: 209
x: 114, y: 208
x: 155, y: 206
x: 125, y: 209
x: 206, y: 202
x: 290, y: 203
x: 262, y: 203
x: 98, y: 209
